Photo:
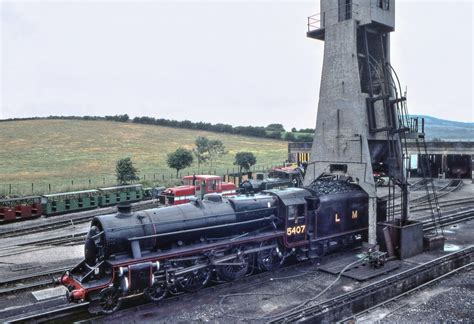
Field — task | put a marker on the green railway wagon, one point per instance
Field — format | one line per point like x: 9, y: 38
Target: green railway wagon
x: 115, y: 195
x: 66, y: 202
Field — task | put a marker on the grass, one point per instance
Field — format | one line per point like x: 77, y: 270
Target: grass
x: 67, y: 153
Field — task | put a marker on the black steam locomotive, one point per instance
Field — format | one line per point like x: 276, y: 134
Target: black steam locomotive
x: 179, y: 248
x: 277, y: 178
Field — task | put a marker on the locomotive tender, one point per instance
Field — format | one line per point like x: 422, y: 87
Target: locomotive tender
x: 179, y: 248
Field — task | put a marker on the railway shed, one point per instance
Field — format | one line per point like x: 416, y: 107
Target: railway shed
x: 447, y: 159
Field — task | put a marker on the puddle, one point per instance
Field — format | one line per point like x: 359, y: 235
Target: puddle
x: 451, y: 248
x: 347, y: 288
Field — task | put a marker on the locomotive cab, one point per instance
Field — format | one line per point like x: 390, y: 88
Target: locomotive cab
x: 294, y: 209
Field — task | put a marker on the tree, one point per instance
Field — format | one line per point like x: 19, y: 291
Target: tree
x: 275, y: 135
x: 126, y: 171
x: 180, y: 159
x: 245, y: 160
x: 293, y: 130
x: 306, y: 130
x: 275, y: 128
x: 201, y: 150
x: 216, y: 150
x: 290, y: 137
x: 305, y: 138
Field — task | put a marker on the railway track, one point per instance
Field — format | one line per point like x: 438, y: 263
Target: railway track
x: 452, y: 186
x: 428, y: 225
x: 450, y: 219
x: 39, y: 281
x: 442, y: 204
x: 333, y: 309
x: 62, y: 223
x: 395, y: 300
x: 418, y: 185
x: 41, y: 244
x: 31, y: 281
x: 80, y: 311
x: 424, y: 202
x: 59, y: 240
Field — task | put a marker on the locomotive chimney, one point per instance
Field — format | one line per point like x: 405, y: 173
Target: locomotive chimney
x: 124, y: 208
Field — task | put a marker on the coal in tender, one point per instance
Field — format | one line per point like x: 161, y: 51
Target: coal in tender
x: 330, y: 186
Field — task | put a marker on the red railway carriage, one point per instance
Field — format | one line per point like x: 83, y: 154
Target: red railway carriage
x: 20, y: 208
x: 192, y: 186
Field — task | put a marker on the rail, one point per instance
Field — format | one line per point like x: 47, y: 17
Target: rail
x: 354, y: 318
x: 311, y: 313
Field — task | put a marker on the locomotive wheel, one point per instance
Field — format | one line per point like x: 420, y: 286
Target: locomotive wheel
x: 194, y: 280
x: 270, y: 259
x: 109, y: 300
x: 236, y: 268
x: 156, y: 292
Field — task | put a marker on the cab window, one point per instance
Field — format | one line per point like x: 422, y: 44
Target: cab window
x: 292, y: 212
x: 301, y: 210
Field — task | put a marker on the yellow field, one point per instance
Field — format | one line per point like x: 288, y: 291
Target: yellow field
x: 67, y: 153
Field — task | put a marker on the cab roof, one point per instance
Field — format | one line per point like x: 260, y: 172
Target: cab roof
x: 290, y: 196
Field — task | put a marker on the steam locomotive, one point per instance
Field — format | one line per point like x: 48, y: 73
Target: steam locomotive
x: 180, y: 248
x: 277, y: 178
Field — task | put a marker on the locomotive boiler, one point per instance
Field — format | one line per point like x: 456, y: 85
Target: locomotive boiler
x: 180, y: 248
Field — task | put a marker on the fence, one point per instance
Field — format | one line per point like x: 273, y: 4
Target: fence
x: 149, y: 179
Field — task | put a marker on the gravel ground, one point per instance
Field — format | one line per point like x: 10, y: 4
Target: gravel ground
x: 450, y: 300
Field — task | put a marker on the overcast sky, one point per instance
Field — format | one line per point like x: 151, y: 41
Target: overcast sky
x: 236, y: 62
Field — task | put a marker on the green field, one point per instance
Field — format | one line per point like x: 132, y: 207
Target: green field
x: 67, y: 153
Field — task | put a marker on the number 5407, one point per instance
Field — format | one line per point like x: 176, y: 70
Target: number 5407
x: 295, y: 230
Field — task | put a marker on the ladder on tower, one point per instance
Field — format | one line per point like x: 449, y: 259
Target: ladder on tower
x: 401, y: 126
x: 428, y: 183
x: 414, y: 128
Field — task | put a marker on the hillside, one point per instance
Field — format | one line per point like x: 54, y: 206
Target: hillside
x: 448, y: 130
x: 57, y: 152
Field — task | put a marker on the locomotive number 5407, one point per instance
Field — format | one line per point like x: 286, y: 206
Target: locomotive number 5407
x: 295, y: 230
